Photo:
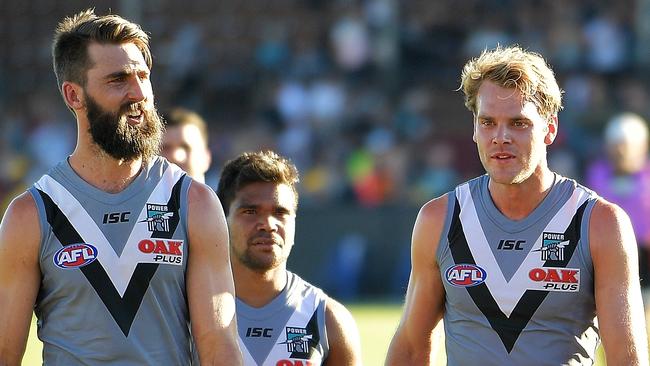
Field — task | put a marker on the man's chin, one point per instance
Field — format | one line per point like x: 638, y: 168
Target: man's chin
x: 262, y: 265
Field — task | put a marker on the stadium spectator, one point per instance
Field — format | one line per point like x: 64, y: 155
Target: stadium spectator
x: 623, y: 177
x: 185, y: 142
x: 281, y: 317
x: 519, y: 261
x: 99, y: 246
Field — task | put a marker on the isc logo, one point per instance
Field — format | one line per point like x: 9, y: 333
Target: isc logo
x: 511, y: 244
x: 75, y: 256
x: 259, y: 332
x: 116, y: 217
x: 465, y: 275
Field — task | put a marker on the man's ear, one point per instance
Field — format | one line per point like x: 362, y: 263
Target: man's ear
x: 551, y: 130
x: 73, y: 95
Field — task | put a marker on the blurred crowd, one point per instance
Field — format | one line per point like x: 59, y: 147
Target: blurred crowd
x: 362, y: 95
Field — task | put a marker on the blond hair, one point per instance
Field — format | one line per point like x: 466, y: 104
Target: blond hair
x: 513, y: 67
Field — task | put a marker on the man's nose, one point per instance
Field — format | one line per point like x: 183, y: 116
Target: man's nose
x: 267, y: 223
x: 501, y: 135
x: 137, y: 90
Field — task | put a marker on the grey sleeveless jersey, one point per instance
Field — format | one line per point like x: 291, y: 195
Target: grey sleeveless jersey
x: 113, y: 269
x: 518, y: 292
x: 289, y: 331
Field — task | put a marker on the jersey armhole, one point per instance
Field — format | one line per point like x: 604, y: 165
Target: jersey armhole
x: 443, y: 246
x: 42, y: 219
x: 183, y: 210
x: 321, y: 314
x: 584, y: 238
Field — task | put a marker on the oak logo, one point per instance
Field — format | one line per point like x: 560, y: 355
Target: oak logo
x: 295, y: 363
x: 163, y: 251
x: 555, y: 279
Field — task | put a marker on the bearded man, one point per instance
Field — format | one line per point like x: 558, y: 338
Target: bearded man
x: 99, y: 247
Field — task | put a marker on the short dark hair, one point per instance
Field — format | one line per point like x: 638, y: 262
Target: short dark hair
x: 75, y: 33
x: 253, y: 167
x: 179, y: 117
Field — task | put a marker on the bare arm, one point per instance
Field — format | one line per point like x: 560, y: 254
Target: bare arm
x: 619, y: 304
x: 19, y: 276
x: 210, y: 288
x: 343, y: 336
x: 424, y: 307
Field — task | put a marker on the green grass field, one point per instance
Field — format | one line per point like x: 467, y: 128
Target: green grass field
x: 376, y: 321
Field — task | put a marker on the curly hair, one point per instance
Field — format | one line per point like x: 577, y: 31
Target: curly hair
x: 513, y: 67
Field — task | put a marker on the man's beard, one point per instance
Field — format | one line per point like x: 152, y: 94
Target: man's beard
x: 259, y: 263
x: 115, y: 136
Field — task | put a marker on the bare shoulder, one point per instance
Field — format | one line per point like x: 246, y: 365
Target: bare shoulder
x: 200, y: 192
x: 20, y: 224
x: 610, y: 228
x: 337, y: 314
x: 428, y: 225
x: 342, y: 334
x: 434, y: 209
x: 607, y: 213
x: 206, y: 221
x: 21, y: 215
x: 202, y: 202
x: 22, y: 204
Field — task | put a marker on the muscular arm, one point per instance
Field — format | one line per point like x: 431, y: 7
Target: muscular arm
x: 19, y: 276
x: 210, y: 288
x: 424, y: 307
x: 619, y: 305
x: 342, y: 335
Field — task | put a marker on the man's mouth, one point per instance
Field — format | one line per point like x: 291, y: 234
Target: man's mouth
x: 135, y: 117
x: 264, y: 241
x: 268, y: 242
x: 502, y: 156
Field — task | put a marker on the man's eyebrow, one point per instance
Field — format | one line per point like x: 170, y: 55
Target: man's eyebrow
x: 119, y: 74
x: 246, y: 205
x: 125, y: 72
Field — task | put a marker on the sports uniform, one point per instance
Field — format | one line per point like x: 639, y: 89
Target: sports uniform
x: 113, y: 269
x: 518, y: 292
x: 288, y: 330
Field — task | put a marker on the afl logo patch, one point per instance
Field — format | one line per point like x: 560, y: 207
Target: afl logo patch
x: 75, y: 256
x: 465, y: 275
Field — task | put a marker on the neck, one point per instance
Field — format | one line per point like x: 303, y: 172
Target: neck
x: 517, y: 201
x: 102, y: 171
x: 257, y: 289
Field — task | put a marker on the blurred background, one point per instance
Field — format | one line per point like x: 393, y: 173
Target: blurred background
x: 361, y: 95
